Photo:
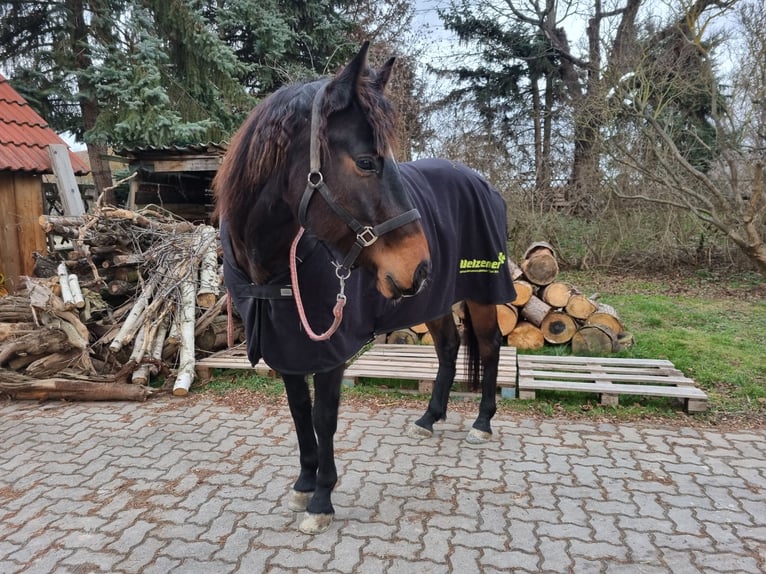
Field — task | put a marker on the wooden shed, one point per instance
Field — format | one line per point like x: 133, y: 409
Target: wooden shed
x: 24, y: 159
x: 177, y: 178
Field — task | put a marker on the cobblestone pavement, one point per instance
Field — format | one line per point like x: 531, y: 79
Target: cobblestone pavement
x: 197, y: 487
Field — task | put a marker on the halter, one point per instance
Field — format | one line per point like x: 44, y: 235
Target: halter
x: 366, y: 235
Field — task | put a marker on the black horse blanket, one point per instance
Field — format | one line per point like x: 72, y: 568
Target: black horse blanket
x: 464, y: 220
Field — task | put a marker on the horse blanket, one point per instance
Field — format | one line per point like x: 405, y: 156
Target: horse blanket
x: 464, y: 220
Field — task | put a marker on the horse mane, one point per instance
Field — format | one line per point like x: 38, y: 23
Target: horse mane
x: 255, y: 173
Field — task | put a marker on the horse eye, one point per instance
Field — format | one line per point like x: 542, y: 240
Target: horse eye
x: 366, y: 164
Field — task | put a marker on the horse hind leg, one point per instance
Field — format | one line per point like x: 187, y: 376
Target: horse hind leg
x: 483, y: 338
x: 447, y: 343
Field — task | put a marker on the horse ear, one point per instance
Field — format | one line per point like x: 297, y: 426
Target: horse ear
x: 384, y: 74
x: 340, y: 91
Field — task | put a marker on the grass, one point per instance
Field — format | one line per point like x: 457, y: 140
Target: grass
x: 712, y: 328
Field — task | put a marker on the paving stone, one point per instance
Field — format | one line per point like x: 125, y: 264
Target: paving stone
x: 173, y: 486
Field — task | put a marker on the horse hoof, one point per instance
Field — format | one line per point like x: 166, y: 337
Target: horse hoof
x: 476, y: 436
x: 298, y: 501
x: 315, y: 523
x: 417, y: 432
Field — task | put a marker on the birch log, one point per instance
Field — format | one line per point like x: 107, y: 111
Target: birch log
x: 74, y: 288
x: 207, y: 294
x: 132, y: 321
x: 185, y: 374
x: 66, y: 292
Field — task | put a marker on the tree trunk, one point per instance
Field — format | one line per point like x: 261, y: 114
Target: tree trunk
x: 97, y: 152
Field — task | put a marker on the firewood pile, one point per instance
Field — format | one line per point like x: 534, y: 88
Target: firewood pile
x: 137, y: 296
x: 551, y: 312
x: 545, y: 312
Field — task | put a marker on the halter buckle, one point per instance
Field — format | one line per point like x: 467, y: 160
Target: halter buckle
x: 366, y: 237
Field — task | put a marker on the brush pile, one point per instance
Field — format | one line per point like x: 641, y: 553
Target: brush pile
x: 136, y: 297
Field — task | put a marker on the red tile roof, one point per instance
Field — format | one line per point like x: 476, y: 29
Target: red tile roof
x: 25, y: 136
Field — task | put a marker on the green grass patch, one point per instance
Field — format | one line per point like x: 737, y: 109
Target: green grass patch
x: 224, y: 381
x: 713, y: 330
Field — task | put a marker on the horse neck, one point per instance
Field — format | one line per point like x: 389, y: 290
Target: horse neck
x: 262, y: 245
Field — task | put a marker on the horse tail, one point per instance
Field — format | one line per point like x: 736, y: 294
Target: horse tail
x: 472, y: 357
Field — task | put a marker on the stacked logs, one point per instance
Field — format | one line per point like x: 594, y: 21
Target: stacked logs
x: 557, y: 313
x: 136, y: 296
x: 545, y: 311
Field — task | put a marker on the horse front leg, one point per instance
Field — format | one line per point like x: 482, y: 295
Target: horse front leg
x: 299, y: 400
x: 446, y: 343
x: 487, y: 338
x: 318, y: 471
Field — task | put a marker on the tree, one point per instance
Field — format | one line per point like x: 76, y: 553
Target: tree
x: 681, y: 144
x: 577, y: 82
x: 514, y: 63
x: 47, y: 46
x: 283, y: 41
x: 122, y: 72
x: 387, y: 24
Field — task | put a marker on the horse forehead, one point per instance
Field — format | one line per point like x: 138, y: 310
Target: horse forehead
x: 351, y: 126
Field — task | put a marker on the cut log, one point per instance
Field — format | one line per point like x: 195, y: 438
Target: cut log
x: 66, y: 292
x: 132, y: 323
x: 118, y: 287
x: 524, y: 290
x: 186, y: 373
x: 526, y: 336
x: 402, y: 337
x: 607, y: 316
x: 8, y: 330
x: 40, y: 342
x: 594, y: 340
x: 52, y: 364
x: 214, y: 337
x: 207, y: 294
x: 580, y: 307
x: 540, y: 265
x: 514, y: 270
x: 74, y: 288
x: 427, y: 338
x: 507, y: 317
x: 557, y: 294
x: 535, y: 310
x: 17, y: 386
x: 419, y: 329
x: 558, y: 327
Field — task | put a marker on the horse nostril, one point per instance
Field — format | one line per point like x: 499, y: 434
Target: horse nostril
x: 421, y: 275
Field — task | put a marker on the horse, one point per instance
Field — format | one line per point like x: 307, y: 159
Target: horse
x: 327, y: 241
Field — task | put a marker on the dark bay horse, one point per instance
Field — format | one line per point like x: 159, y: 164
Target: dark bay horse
x: 385, y: 246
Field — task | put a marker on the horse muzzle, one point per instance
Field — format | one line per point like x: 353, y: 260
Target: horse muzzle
x: 403, y: 267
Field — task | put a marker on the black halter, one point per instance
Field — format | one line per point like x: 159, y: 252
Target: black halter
x: 366, y: 235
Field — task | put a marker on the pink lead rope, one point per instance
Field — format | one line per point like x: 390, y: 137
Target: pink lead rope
x: 337, y: 311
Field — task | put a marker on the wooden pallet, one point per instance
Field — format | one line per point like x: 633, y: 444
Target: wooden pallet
x: 419, y: 362
x: 234, y: 358
x: 608, y: 377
